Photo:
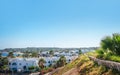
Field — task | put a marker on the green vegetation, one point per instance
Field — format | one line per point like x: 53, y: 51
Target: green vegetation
x: 61, y: 62
x: 41, y: 63
x: 84, y: 66
x: 34, y: 68
x: 108, y: 56
x: 43, y: 69
x: 75, y: 63
x: 111, y: 44
x: 31, y: 68
x: 80, y: 52
x: 34, y: 54
x: 51, y: 52
x: 110, y: 48
x: 3, y: 63
x: 11, y: 55
x: 26, y: 54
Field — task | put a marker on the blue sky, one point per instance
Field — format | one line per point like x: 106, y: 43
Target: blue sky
x: 57, y: 23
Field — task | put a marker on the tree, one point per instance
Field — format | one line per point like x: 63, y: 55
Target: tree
x: 26, y: 54
x: 107, y: 43
x: 5, y: 67
x: 51, y: 52
x: 80, y: 52
x: 11, y: 54
x: 111, y: 44
x: 31, y: 68
x: 41, y: 63
x: 3, y: 63
x: 61, y: 62
x: 34, y: 54
x: 116, y: 43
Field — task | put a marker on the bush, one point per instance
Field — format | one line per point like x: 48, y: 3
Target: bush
x: 102, y: 70
x: 115, y: 58
x: 108, y: 55
x: 31, y: 68
x: 37, y: 68
x: 100, y: 51
x: 111, y: 43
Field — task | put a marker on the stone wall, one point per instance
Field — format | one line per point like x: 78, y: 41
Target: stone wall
x: 110, y: 64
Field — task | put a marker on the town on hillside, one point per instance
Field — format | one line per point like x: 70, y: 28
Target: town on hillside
x: 32, y: 60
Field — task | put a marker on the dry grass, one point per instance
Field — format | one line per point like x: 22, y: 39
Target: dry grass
x: 85, y: 66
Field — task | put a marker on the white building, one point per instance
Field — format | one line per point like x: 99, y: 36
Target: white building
x: 50, y: 60
x: 18, y: 54
x: 22, y: 63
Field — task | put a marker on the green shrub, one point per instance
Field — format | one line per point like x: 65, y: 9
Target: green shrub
x: 100, y: 51
x: 102, y: 70
x: 37, y: 68
x: 31, y: 68
x: 115, y: 58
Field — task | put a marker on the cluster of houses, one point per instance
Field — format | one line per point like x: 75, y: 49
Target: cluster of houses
x: 16, y: 64
x: 21, y: 63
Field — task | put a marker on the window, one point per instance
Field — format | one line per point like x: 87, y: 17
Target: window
x: 19, y: 63
x: 48, y: 61
x: 14, y: 63
x: 24, y: 67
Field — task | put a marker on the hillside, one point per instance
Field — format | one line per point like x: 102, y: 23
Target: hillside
x: 84, y: 66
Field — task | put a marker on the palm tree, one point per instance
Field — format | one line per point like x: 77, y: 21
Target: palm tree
x: 41, y: 63
x: 111, y: 44
x: 116, y: 43
x: 107, y: 43
x: 51, y: 52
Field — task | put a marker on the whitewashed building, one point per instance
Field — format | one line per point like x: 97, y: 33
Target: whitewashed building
x: 22, y: 63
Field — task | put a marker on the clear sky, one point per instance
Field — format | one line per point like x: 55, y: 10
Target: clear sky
x: 57, y: 23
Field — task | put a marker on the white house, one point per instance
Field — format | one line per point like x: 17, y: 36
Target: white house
x: 50, y: 60
x: 18, y: 53
x: 22, y: 63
